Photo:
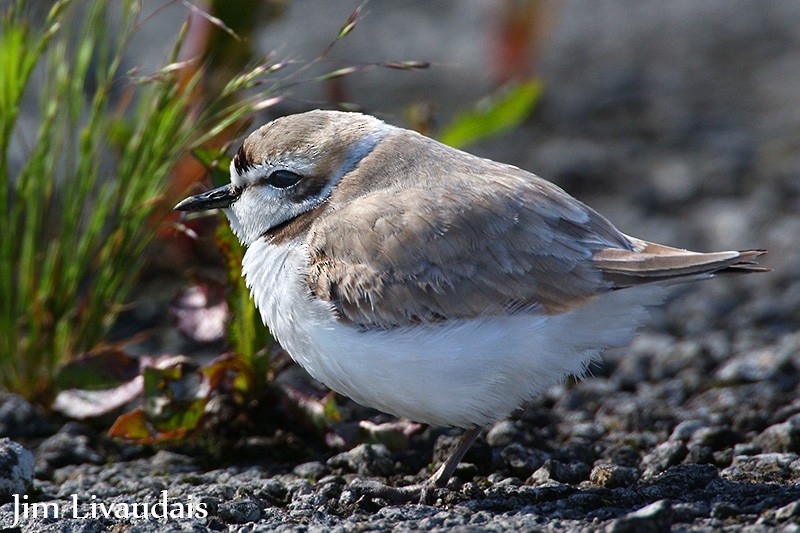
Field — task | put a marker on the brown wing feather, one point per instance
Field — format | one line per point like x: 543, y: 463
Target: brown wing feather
x: 650, y: 262
x: 468, y: 237
x: 487, y: 242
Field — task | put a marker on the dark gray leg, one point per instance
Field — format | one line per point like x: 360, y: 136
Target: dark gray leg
x: 440, y: 478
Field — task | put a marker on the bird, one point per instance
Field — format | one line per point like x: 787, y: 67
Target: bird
x: 427, y: 282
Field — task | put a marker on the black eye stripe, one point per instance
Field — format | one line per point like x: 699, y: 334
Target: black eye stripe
x: 283, y: 179
x: 240, y: 161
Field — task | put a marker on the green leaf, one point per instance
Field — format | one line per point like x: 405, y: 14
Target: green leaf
x: 101, y: 370
x: 331, y: 410
x: 499, y: 112
x: 217, y: 163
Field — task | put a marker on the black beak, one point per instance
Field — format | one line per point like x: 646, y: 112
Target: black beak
x: 214, y: 199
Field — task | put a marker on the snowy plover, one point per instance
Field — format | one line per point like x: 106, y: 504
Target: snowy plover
x: 427, y: 282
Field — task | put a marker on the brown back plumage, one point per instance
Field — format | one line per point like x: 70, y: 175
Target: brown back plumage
x: 457, y: 236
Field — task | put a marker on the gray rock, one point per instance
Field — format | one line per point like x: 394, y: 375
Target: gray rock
x: 747, y: 448
x: 502, y: 434
x: 162, y: 461
x: 781, y: 438
x: 788, y: 512
x: 589, y: 431
x: 690, y: 511
x: 365, y: 460
x: 613, y: 476
x: 763, y: 468
x: 397, y: 514
x: 520, y: 462
x: 312, y: 470
x: 624, y: 454
x: 273, y: 491
x: 18, y: 418
x: 70, y: 446
x: 655, y: 517
x: 677, y: 481
x: 723, y: 458
x: 715, y: 437
x: 686, y: 429
x: 723, y: 510
x: 699, y: 455
x: 16, y: 469
x: 754, y: 366
x: 240, y: 511
x: 663, y: 456
x: 553, y: 470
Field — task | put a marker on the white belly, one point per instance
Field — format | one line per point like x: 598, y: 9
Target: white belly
x: 462, y: 373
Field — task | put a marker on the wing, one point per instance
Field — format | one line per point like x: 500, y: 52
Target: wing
x: 480, y: 245
x: 649, y: 262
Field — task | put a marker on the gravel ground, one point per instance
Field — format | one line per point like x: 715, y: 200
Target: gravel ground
x: 682, y: 128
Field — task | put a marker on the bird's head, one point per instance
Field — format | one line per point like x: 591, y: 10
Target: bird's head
x: 289, y: 167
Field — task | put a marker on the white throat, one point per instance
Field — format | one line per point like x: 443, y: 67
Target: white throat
x: 260, y: 208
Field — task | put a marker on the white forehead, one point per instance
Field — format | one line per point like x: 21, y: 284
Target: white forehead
x: 305, y: 162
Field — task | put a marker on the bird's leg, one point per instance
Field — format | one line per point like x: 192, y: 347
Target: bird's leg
x: 440, y: 478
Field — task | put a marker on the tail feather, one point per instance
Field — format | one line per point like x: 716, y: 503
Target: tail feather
x: 650, y: 262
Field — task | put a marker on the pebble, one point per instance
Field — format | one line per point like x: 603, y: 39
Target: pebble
x: 312, y: 470
x: 655, y: 517
x: 612, y: 476
x: 759, y: 365
x: 553, y: 470
x: 16, y: 469
x: 788, y: 512
x: 502, y: 434
x: 678, y: 480
x: 690, y: 511
x: 686, y: 429
x: 747, y: 448
x: 18, y: 418
x: 723, y: 510
x: 240, y: 511
x: 365, y: 460
x: 520, y: 462
x: 699, y: 455
x: 783, y: 437
x: 715, y: 437
x: 763, y: 468
x: 663, y: 456
x: 70, y: 446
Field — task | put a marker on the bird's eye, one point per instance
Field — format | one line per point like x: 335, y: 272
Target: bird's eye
x: 283, y: 179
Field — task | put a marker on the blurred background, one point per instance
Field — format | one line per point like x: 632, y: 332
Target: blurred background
x: 658, y: 105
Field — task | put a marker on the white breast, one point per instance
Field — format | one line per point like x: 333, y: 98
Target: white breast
x: 462, y: 373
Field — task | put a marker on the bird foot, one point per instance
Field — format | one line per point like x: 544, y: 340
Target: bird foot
x: 423, y: 493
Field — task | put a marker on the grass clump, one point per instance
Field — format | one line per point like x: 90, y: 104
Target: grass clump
x: 82, y: 196
x: 81, y: 199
